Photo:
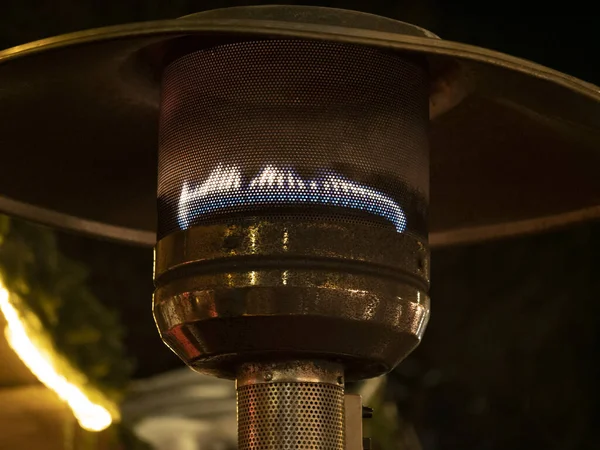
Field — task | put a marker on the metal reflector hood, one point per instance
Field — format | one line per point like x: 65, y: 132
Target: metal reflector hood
x: 514, y: 146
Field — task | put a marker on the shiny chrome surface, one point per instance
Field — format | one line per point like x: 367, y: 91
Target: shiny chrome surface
x: 343, y: 241
x: 291, y: 414
x: 504, y: 116
x: 290, y: 372
x: 228, y: 294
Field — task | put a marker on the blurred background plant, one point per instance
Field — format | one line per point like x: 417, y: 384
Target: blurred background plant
x: 78, y: 336
x: 53, y: 287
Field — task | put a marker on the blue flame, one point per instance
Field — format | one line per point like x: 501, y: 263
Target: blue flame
x: 225, y: 188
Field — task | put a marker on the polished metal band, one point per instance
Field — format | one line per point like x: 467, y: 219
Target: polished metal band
x: 293, y: 241
x: 291, y: 372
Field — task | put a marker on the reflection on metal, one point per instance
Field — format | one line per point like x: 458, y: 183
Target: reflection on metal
x: 90, y: 415
x: 368, y: 298
x: 86, y: 227
x: 317, y: 372
x: 522, y: 227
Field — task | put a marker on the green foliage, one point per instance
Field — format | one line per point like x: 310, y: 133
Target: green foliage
x: 53, y: 287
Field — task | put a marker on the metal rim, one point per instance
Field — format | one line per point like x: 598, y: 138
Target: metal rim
x: 166, y: 29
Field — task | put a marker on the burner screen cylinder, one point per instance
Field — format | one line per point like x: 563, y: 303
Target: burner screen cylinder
x: 297, y: 130
x: 290, y: 405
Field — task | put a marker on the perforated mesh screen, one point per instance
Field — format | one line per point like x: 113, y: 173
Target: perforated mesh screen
x: 301, y: 129
x: 280, y: 416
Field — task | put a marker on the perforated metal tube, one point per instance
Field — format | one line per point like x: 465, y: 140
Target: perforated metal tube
x: 292, y: 405
x: 294, y: 129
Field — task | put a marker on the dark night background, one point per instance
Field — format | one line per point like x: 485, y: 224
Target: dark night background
x: 510, y: 356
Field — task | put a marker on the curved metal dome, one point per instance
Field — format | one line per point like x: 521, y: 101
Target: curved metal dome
x: 515, y: 146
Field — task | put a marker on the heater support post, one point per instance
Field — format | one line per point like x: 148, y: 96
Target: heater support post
x: 353, y: 410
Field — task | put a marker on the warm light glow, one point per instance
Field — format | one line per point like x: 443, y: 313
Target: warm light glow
x: 90, y: 416
x: 286, y: 240
x: 253, y: 233
x: 253, y: 277
x: 284, y: 277
x: 226, y: 188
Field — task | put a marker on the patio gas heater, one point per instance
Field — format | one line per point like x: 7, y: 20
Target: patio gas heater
x: 293, y: 167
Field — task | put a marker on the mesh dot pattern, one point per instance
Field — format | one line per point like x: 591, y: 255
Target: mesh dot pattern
x: 282, y: 416
x: 293, y: 128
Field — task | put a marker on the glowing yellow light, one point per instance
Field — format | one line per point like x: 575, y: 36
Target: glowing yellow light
x: 286, y: 240
x: 253, y: 231
x: 90, y: 416
x: 253, y: 278
x: 284, y: 277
